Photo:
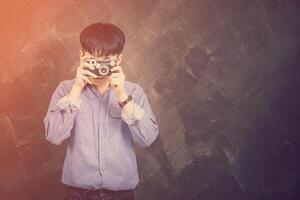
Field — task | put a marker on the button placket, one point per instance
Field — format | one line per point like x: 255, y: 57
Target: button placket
x: 101, y: 135
x: 98, y: 134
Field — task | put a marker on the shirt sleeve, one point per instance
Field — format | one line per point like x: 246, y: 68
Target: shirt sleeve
x: 59, y: 119
x: 142, y: 123
x: 68, y: 105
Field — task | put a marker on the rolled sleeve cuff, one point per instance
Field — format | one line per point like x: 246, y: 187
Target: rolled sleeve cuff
x: 137, y: 114
x: 66, y: 104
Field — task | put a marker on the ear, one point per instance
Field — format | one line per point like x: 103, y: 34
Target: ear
x: 119, y: 58
x: 81, y: 53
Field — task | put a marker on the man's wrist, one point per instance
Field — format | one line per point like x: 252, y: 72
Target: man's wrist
x: 75, y: 92
x: 122, y: 97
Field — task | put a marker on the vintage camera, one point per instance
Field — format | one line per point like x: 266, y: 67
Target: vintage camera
x: 101, y: 68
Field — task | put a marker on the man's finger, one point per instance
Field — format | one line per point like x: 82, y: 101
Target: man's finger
x: 89, y: 73
x: 115, y: 75
x: 86, y: 79
x: 116, y: 68
x: 88, y: 66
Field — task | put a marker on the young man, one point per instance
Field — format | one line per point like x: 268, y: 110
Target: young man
x: 102, y: 116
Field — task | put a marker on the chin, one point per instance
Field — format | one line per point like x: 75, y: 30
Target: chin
x: 99, y: 80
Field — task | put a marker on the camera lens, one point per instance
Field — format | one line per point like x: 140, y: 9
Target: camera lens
x: 103, y: 70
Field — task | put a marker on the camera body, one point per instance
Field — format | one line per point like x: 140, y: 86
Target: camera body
x: 101, y: 68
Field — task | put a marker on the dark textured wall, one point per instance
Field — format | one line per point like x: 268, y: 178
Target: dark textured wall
x: 222, y: 77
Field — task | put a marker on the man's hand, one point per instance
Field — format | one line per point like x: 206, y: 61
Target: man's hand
x: 82, y: 74
x: 81, y: 80
x: 117, y: 82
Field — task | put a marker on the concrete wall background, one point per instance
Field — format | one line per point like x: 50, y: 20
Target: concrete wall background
x: 222, y: 78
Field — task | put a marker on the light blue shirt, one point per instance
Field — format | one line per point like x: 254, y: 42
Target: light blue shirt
x: 100, y: 152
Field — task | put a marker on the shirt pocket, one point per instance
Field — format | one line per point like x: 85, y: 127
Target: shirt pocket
x: 115, y: 111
